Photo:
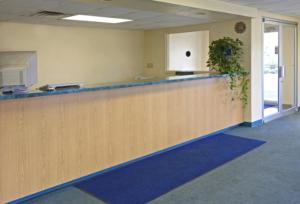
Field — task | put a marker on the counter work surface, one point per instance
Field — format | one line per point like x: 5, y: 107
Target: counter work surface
x: 110, y: 86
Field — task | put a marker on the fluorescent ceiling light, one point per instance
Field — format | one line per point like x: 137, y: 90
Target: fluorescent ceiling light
x: 97, y: 19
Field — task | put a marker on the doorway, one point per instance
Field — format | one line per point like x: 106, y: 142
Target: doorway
x: 279, y: 69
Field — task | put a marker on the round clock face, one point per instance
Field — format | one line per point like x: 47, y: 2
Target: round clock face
x: 240, y: 27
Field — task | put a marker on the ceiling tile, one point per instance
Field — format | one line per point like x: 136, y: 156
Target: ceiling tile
x: 286, y: 7
x: 145, y: 14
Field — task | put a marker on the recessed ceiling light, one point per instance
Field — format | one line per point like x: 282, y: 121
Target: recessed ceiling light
x: 97, y: 19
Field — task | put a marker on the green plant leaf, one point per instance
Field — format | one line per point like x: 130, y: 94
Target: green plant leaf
x: 225, y: 57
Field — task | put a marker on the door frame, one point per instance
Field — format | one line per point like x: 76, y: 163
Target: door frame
x: 294, y: 109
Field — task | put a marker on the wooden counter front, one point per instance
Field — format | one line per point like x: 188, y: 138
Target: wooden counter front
x: 47, y: 141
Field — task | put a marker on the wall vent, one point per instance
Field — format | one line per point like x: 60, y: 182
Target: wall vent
x: 49, y: 14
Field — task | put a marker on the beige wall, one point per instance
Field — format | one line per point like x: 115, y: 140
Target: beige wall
x: 155, y: 47
x: 75, y: 54
x: 254, y: 109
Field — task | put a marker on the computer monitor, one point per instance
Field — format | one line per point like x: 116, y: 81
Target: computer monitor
x: 18, y: 68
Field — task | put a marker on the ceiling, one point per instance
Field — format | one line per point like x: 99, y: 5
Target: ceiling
x: 286, y: 7
x: 146, y: 14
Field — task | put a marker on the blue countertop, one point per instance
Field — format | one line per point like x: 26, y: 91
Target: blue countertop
x: 109, y: 86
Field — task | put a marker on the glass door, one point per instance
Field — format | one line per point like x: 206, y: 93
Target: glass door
x: 288, y: 67
x: 279, y: 69
x: 271, y: 69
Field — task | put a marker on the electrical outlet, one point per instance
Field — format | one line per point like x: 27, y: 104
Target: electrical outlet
x: 150, y: 65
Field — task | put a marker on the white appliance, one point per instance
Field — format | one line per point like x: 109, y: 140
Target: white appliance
x: 18, y: 69
x: 187, y: 52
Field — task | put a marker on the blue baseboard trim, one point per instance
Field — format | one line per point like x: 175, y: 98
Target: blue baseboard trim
x: 257, y: 123
x: 76, y: 181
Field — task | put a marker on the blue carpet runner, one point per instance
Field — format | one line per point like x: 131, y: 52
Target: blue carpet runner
x: 268, y: 106
x: 152, y: 177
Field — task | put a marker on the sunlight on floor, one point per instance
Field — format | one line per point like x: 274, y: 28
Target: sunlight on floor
x: 270, y: 111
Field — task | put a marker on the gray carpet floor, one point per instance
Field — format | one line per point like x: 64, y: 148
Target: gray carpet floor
x: 268, y: 175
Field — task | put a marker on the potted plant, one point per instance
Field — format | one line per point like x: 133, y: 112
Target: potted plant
x: 224, y: 57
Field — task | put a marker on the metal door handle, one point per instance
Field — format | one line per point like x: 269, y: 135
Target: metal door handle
x: 282, y: 72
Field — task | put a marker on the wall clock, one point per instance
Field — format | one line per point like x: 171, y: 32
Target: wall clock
x: 240, y: 27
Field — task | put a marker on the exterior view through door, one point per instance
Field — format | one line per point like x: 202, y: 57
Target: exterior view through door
x: 279, y: 69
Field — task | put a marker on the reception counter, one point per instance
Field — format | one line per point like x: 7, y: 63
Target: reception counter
x: 50, y: 138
